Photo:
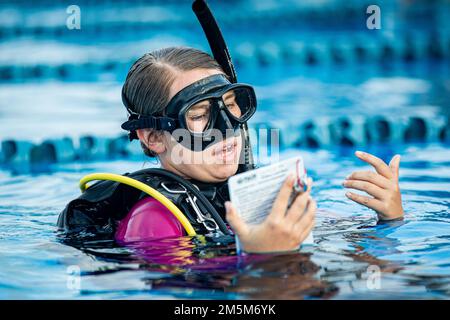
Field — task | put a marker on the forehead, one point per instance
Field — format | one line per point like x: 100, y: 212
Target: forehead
x: 183, y: 79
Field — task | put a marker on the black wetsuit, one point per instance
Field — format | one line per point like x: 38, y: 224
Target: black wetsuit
x: 95, y: 213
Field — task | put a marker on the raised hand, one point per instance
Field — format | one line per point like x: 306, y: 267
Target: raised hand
x: 381, y: 185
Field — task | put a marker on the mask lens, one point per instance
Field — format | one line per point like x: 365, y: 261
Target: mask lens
x: 240, y: 103
x: 198, y: 116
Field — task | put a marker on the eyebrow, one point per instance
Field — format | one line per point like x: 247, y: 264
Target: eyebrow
x: 199, y: 105
x: 229, y: 95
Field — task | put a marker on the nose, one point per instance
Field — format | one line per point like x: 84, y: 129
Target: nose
x: 224, y: 115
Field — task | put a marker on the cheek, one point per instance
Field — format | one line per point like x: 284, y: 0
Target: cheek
x: 177, y: 155
x: 180, y: 155
x: 205, y: 160
x: 239, y: 145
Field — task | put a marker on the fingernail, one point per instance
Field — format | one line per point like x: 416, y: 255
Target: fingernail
x: 344, y: 182
x: 359, y: 153
x: 227, y: 205
x: 348, y: 194
x: 348, y: 177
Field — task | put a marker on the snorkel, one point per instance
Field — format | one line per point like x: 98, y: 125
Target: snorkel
x: 222, y: 122
x: 220, y: 52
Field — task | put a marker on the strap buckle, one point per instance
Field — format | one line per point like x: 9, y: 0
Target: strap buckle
x: 149, y: 122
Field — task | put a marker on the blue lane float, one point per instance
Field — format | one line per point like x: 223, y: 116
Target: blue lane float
x: 351, y: 51
x: 16, y: 151
x: 92, y: 148
x: 346, y: 131
x: 63, y: 149
x: 321, y: 132
x: 378, y: 129
x: 118, y: 147
x: 315, y: 134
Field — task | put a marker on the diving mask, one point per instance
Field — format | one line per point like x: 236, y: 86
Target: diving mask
x: 208, y: 110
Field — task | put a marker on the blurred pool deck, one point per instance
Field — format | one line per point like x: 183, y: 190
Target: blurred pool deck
x: 322, y: 78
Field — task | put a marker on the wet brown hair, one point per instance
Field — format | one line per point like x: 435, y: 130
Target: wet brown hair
x: 148, y: 83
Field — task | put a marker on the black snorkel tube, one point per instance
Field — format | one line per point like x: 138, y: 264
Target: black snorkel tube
x: 216, y: 41
x: 221, y: 54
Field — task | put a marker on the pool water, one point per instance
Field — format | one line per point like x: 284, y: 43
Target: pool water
x: 353, y: 256
x: 306, y: 62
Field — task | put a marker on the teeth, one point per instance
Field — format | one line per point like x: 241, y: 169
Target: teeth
x: 228, y: 147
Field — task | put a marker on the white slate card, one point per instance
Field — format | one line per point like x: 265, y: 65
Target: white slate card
x: 253, y: 192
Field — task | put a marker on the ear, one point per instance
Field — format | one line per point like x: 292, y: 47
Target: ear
x: 152, y: 139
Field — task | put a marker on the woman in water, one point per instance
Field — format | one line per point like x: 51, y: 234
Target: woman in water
x: 175, y: 97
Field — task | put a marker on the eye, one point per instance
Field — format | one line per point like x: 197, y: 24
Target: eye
x: 198, y: 114
x: 199, y: 117
x: 233, y: 107
x: 231, y: 104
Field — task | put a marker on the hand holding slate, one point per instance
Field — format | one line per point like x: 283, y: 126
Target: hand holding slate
x: 284, y: 229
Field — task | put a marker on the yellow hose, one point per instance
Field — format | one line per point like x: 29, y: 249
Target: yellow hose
x: 144, y: 188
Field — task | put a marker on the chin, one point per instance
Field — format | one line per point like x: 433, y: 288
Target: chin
x: 224, y: 171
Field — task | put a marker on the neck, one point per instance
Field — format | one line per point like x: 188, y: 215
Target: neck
x: 169, y: 167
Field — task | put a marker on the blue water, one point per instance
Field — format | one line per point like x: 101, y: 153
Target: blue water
x: 75, y: 90
x: 413, y: 255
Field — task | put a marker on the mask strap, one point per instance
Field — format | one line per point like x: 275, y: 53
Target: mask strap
x: 149, y: 122
x: 138, y: 121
